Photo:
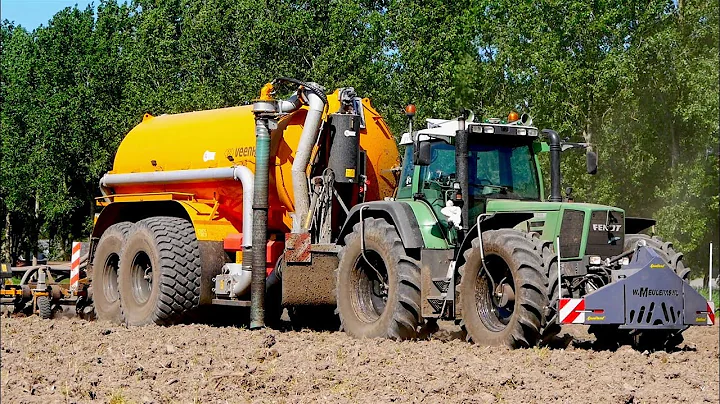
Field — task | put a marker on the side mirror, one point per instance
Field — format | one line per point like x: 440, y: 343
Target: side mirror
x: 423, y: 154
x: 592, y: 162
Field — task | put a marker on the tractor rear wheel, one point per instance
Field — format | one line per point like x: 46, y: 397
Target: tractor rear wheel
x: 503, y: 305
x: 106, y: 296
x: 160, y: 268
x: 378, y: 293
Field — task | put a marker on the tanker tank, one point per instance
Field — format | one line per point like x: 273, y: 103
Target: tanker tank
x: 225, y: 138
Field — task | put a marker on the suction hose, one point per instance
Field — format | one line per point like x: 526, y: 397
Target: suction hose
x: 260, y: 215
x: 308, y: 139
x: 266, y: 110
x: 314, y: 96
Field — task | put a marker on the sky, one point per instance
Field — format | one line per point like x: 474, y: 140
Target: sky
x: 32, y: 13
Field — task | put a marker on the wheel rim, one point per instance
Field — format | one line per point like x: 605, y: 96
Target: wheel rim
x: 141, y: 276
x: 369, y: 291
x: 495, y: 307
x: 110, y: 275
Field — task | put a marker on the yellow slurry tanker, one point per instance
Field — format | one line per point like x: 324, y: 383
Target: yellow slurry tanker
x: 176, y: 230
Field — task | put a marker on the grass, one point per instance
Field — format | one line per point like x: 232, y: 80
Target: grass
x: 118, y: 398
x: 15, y: 280
x: 715, y: 297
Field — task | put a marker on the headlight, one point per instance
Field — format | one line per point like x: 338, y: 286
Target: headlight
x: 532, y: 132
x: 521, y: 132
x: 488, y: 129
x: 595, y: 260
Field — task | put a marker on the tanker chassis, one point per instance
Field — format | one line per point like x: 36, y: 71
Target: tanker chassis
x: 303, y: 203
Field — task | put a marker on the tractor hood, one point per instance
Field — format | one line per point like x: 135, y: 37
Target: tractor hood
x: 584, y: 228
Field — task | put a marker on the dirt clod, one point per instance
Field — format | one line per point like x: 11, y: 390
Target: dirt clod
x: 200, y: 363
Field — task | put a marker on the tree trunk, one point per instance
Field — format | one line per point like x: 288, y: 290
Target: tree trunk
x: 5, y: 255
x: 36, y: 232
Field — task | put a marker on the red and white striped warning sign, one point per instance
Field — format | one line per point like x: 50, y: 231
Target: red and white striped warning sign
x: 75, y: 267
x: 572, y: 311
x: 711, y: 313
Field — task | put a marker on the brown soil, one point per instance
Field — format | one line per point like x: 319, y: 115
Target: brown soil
x: 71, y: 360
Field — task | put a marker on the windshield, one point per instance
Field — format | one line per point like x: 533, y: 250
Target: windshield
x: 494, y: 170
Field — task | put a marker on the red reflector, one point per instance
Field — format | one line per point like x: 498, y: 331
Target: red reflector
x: 233, y: 242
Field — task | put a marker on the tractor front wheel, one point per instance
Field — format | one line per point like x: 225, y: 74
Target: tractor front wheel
x: 502, y: 301
x: 378, y: 290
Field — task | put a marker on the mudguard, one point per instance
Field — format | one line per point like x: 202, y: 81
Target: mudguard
x: 398, y: 213
x: 645, y: 294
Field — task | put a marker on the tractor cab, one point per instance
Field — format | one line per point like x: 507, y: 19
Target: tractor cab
x: 501, y: 164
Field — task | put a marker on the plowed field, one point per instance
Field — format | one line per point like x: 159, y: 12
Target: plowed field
x: 72, y: 360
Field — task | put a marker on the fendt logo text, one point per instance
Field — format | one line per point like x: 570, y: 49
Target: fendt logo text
x: 606, y: 227
x: 647, y: 292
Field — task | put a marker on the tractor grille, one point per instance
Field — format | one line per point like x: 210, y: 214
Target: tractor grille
x: 606, y: 236
x: 571, y: 231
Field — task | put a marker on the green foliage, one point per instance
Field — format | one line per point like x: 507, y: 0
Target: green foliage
x: 715, y: 298
x: 639, y: 80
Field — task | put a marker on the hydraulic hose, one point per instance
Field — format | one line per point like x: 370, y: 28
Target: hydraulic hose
x: 309, y: 86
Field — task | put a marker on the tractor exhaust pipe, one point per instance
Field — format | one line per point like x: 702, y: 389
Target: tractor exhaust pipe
x: 461, y: 162
x: 555, y: 150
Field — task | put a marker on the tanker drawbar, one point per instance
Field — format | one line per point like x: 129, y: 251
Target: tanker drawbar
x: 643, y: 295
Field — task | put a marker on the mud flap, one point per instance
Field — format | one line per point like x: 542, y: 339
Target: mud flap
x: 645, y: 294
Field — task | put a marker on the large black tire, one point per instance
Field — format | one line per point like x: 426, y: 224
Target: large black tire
x: 509, y: 255
x: 106, y: 297
x: 366, y: 309
x: 664, y: 249
x: 160, y: 269
x: 545, y: 248
x: 44, y: 307
x: 612, y: 337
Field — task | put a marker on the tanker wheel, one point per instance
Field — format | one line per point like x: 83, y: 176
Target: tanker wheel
x: 160, y: 268
x: 44, y: 307
x: 377, y: 295
x: 106, y: 297
x: 503, y: 305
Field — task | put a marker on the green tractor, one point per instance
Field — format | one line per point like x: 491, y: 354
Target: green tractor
x: 471, y: 236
